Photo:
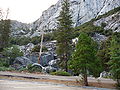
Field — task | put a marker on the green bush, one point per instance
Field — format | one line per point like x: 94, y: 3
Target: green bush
x: 60, y: 73
x: 31, y: 68
x: 89, y: 28
x: 108, y: 32
x: 4, y: 62
x: 23, y: 69
x: 48, y: 37
x: 6, y: 69
x: 103, y: 25
x: 37, y: 49
x: 11, y: 53
x: 35, y: 40
x: 20, y: 40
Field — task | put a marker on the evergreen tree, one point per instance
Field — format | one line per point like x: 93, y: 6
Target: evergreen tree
x: 4, y: 33
x: 64, y: 32
x: 104, y: 53
x: 115, y: 57
x: 84, y: 58
x: 11, y: 53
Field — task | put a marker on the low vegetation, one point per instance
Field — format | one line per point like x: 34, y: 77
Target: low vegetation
x: 60, y: 73
x: 35, y: 40
x: 9, y: 55
x: 7, y: 69
x: 37, y: 48
x: 31, y: 68
x: 111, y: 12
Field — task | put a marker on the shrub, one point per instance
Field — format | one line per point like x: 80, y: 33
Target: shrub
x: 108, y: 13
x: 4, y: 62
x: 60, y: 73
x: 37, y: 49
x: 35, y: 40
x: 23, y: 69
x: 89, y: 28
x: 6, y: 69
x: 20, y: 40
x: 103, y: 25
x: 3, y: 69
x: 35, y: 68
x: 48, y: 37
x: 11, y: 53
x: 108, y: 32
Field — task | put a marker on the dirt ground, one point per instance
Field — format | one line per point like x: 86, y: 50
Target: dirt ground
x: 68, y: 83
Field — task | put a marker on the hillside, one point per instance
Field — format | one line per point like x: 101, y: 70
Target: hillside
x: 81, y: 11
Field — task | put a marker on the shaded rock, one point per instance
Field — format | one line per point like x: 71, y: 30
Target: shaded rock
x: 46, y: 58
x: 98, y: 37
x: 22, y: 61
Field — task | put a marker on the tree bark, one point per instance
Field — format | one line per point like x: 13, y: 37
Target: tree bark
x: 118, y: 82
x: 66, y: 67
x: 85, y: 80
x: 66, y: 63
x: 85, y: 77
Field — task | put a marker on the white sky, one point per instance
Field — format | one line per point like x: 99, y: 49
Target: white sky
x: 26, y: 11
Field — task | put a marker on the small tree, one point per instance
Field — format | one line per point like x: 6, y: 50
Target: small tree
x: 4, y: 30
x: 115, y: 57
x: 84, y: 58
x: 104, y: 53
x: 64, y: 32
x: 11, y: 53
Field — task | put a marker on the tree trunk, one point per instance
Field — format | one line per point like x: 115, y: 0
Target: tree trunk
x: 66, y: 63
x: 66, y: 66
x: 85, y: 80
x: 118, y: 82
x: 85, y: 77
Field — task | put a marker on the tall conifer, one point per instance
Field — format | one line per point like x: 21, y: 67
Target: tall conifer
x: 115, y: 57
x: 64, y: 32
x: 84, y: 58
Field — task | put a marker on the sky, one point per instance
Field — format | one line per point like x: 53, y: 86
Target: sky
x: 26, y: 11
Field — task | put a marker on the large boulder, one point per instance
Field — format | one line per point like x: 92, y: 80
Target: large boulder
x: 20, y: 62
x: 46, y: 58
x: 49, y: 69
x: 53, y: 63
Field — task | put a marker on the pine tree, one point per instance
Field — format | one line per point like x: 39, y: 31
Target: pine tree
x: 64, y: 32
x: 115, y: 57
x: 104, y: 53
x: 84, y: 58
x: 4, y: 33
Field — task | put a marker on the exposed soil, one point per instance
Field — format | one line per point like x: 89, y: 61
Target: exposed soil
x: 69, y: 83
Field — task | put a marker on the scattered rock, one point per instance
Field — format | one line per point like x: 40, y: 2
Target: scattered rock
x: 98, y: 37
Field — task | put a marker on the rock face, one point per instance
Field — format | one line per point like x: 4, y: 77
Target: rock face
x: 81, y: 11
x: 19, y: 28
x: 110, y: 22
